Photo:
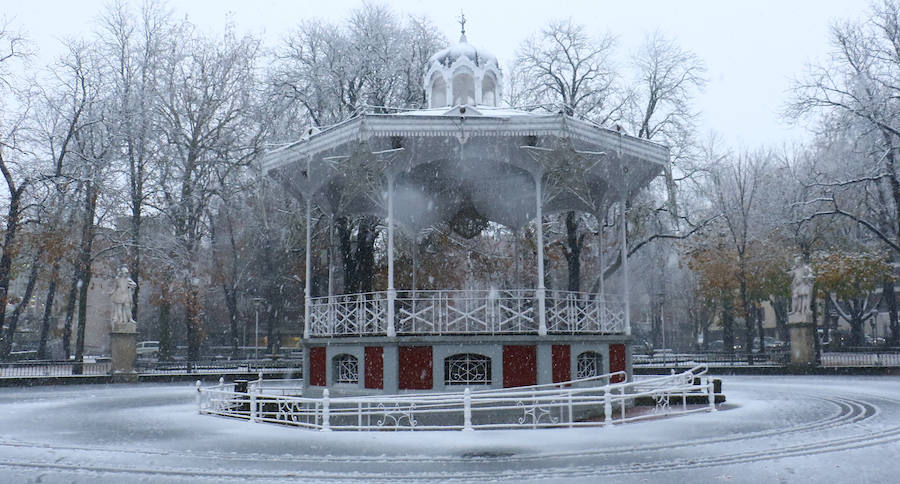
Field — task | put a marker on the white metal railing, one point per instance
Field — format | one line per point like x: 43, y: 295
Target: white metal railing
x: 465, y: 312
x: 873, y: 358
x: 581, y: 312
x: 348, y: 314
x: 471, y: 311
x: 589, y: 401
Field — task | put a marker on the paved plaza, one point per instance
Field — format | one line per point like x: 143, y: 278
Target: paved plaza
x: 773, y: 429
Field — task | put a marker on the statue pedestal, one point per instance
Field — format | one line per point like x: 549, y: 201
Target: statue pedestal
x: 803, y: 344
x: 124, y: 351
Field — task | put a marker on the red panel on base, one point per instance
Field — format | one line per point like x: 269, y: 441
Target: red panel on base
x: 317, y: 366
x: 415, y: 368
x: 374, y: 367
x: 519, y: 366
x: 562, y: 363
x: 617, y: 361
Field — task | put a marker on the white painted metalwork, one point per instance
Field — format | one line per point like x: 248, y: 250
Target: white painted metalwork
x: 539, y: 223
x: 346, y: 369
x: 626, y: 286
x: 467, y: 368
x: 588, y: 364
x: 465, y: 312
x: 307, y: 288
x: 582, y: 402
x: 348, y: 315
x: 391, y: 292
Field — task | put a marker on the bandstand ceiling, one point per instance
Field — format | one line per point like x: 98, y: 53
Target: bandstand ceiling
x: 442, y: 162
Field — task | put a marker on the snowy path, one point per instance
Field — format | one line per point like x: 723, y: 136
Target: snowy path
x: 787, y: 429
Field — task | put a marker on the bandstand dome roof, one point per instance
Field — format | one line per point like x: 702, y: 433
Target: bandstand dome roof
x: 447, y: 57
x: 463, y: 74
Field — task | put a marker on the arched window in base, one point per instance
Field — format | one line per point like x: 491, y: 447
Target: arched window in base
x: 346, y: 369
x: 588, y: 364
x: 467, y: 369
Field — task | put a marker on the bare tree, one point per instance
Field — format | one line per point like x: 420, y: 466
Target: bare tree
x: 667, y: 79
x: 856, y: 96
x: 14, y: 160
x: 133, y: 47
x: 566, y: 69
x: 735, y: 190
x: 210, y: 128
x: 856, y: 93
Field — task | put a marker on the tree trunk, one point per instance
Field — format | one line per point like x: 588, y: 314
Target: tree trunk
x: 814, y: 309
x: 748, y: 321
x: 84, y: 262
x: 827, y: 320
x: 780, y: 307
x: 274, y: 298
x: 349, y: 261
x: 365, y: 253
x: 758, y: 311
x: 136, y: 175
x: 6, y: 348
x: 857, y: 331
x: 656, y: 336
x: 48, y: 312
x: 359, y: 266
x: 9, y: 240
x: 231, y: 303
x: 572, y: 251
x: 890, y: 300
x: 135, y: 266
x: 70, y: 311
x: 165, y: 334
x: 229, y: 282
x: 728, y: 323
x: 194, y: 324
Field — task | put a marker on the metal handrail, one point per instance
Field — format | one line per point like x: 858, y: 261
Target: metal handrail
x: 565, y: 404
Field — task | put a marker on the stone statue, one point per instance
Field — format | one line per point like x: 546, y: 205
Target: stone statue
x: 123, y: 290
x: 801, y: 293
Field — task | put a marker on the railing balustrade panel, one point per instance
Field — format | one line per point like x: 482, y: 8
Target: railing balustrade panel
x: 436, y: 312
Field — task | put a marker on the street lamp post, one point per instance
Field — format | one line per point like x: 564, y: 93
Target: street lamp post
x: 256, y: 302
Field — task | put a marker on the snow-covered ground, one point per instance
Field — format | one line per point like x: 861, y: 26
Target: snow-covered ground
x: 773, y: 429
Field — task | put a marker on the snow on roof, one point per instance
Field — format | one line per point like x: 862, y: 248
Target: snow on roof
x: 479, y: 110
x: 463, y: 49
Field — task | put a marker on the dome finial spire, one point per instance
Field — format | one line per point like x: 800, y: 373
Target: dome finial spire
x: 462, y: 26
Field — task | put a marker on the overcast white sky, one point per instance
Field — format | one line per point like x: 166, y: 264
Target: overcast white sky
x: 752, y: 49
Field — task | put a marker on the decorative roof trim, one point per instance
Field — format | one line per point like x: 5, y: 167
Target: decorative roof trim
x: 477, y: 126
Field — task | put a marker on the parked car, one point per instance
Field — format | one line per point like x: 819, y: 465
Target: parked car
x: 769, y: 343
x: 719, y: 345
x: 148, y: 349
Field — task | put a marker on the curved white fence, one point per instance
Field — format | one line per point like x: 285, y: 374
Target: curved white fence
x: 590, y: 401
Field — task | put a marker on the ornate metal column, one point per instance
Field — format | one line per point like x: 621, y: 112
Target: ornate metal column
x: 391, y: 292
x: 541, y: 290
x: 330, y: 257
x: 307, y: 291
x: 626, y: 290
x: 602, y: 289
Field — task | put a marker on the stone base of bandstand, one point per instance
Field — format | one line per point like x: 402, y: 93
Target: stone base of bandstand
x: 803, y: 345
x: 124, y: 352
x: 420, y: 363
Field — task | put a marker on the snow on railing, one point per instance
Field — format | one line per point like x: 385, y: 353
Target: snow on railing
x: 47, y: 368
x: 465, y: 312
x: 871, y: 359
x: 585, y: 402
